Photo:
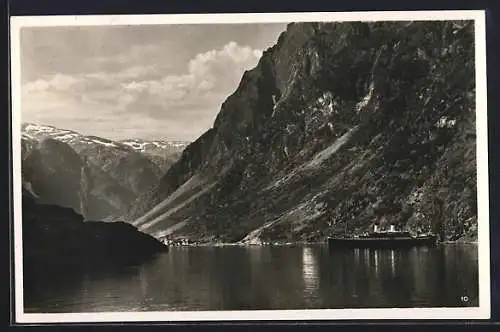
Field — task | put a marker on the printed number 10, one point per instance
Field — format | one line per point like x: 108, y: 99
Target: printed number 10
x: 464, y: 298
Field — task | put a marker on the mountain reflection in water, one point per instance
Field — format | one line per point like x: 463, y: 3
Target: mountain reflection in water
x: 264, y: 277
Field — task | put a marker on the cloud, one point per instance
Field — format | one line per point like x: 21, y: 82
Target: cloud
x: 56, y: 83
x: 225, y: 63
x: 120, y: 102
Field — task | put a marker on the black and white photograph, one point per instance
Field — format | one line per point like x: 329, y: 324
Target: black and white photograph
x: 250, y: 167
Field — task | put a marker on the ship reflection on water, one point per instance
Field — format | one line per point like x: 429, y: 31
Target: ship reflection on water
x: 374, y: 258
x: 418, y: 275
x: 310, y: 273
x: 268, y: 277
x: 393, y: 263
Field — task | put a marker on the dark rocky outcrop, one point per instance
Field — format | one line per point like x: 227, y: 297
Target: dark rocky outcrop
x: 339, y: 126
x: 57, y: 238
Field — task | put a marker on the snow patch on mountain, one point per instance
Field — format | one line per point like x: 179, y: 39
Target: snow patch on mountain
x: 38, y: 129
x: 39, y: 132
x: 104, y: 143
x: 144, y: 146
x: 27, y: 136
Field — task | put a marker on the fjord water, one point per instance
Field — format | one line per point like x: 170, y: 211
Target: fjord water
x: 268, y: 277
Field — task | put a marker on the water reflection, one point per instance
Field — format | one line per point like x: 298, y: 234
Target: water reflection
x: 310, y: 274
x: 393, y: 263
x: 239, y: 278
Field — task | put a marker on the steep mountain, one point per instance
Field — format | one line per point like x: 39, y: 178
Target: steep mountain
x: 103, y: 177
x: 338, y: 127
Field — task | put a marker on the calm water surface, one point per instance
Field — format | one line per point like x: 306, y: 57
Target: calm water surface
x: 262, y: 277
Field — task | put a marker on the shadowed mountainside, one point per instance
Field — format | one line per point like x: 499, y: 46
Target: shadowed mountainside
x: 338, y: 127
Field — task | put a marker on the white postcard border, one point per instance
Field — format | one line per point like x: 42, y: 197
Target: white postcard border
x: 481, y: 312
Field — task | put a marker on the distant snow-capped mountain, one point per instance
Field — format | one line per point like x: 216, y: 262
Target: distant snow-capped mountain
x: 77, y: 140
x: 95, y: 176
x: 146, y: 146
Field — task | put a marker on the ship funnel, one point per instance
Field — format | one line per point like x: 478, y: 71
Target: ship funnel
x: 375, y: 228
x: 391, y: 229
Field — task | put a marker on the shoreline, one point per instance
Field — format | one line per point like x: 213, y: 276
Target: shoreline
x: 459, y: 242
x: 290, y: 244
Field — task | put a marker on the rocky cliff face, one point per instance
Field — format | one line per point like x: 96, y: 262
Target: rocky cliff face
x: 338, y: 127
x: 96, y: 177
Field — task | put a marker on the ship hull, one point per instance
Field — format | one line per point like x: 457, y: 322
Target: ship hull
x: 392, y: 243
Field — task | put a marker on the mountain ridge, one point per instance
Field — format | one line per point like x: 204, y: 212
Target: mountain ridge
x: 31, y: 130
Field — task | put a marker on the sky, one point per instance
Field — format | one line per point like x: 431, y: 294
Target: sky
x: 143, y: 81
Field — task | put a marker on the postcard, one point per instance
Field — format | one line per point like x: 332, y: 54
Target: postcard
x: 229, y: 167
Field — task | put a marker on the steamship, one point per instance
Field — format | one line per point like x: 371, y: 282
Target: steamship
x: 383, y: 239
